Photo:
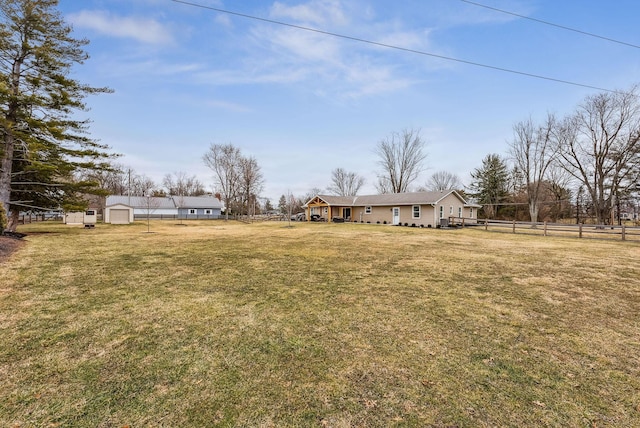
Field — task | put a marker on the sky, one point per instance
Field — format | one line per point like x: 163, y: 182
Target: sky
x: 303, y: 103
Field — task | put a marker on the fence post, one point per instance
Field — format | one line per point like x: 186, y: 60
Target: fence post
x: 623, y: 233
x: 580, y: 230
x: 514, y: 226
x: 486, y: 224
x: 545, y: 228
x: 462, y: 221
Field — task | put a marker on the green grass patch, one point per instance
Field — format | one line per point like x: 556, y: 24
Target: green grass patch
x: 228, y: 324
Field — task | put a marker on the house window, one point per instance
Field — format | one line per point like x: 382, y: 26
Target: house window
x: 192, y: 211
x: 441, y: 211
x: 450, y: 210
x: 460, y: 212
x: 416, y: 211
x: 207, y: 212
x: 471, y: 212
x: 367, y: 210
x: 326, y: 210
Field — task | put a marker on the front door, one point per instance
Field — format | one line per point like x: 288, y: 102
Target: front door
x: 346, y: 214
x: 396, y: 215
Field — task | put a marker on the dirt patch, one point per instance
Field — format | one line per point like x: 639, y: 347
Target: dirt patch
x: 8, y: 246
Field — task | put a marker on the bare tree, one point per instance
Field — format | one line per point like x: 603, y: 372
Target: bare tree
x: 345, y: 183
x: 532, y: 152
x: 181, y: 184
x: 600, y: 144
x: 151, y: 205
x: 402, y: 160
x: 141, y: 185
x: 251, y: 182
x: 441, y: 181
x: 112, y: 180
x: 560, y: 185
x: 223, y: 160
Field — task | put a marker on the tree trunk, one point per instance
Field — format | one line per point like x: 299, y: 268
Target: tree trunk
x: 13, y: 218
x: 5, y: 171
x: 533, y: 211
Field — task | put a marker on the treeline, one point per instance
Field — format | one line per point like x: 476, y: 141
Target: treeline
x: 585, y: 164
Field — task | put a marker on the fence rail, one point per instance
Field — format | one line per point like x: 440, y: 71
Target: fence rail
x: 34, y: 218
x: 592, y: 231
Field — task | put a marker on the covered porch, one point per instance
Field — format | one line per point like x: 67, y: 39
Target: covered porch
x: 325, y: 209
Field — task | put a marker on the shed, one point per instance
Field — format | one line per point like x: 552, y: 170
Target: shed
x: 88, y: 217
x: 74, y: 217
x: 118, y: 214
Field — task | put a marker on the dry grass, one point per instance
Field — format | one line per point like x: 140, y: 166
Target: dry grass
x: 317, y: 325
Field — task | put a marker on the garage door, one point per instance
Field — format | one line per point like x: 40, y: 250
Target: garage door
x: 119, y: 216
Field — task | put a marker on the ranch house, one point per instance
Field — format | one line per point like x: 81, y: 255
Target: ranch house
x: 422, y: 209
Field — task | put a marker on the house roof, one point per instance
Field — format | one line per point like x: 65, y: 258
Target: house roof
x: 409, y: 198
x: 171, y: 202
x: 197, y: 202
x: 141, y: 201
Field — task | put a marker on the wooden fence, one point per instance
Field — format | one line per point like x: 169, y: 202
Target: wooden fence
x: 592, y: 231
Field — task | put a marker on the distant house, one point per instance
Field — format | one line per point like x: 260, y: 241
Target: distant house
x: 426, y: 209
x: 143, y: 206
x: 122, y: 209
x: 198, y: 207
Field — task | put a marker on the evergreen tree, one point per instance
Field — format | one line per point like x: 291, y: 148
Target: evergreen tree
x: 42, y: 144
x: 491, y: 184
x: 282, y: 204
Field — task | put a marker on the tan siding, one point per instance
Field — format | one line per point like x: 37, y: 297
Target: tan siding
x: 384, y: 213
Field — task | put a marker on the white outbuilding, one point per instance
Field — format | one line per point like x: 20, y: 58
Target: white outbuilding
x: 118, y: 214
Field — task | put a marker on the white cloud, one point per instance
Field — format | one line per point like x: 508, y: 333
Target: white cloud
x: 129, y: 66
x: 353, y: 69
x: 252, y: 76
x: 305, y: 45
x: 314, y: 12
x: 461, y: 14
x: 141, y: 29
x: 406, y: 39
x: 223, y: 21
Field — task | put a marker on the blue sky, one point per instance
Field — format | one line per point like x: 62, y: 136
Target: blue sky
x: 304, y: 103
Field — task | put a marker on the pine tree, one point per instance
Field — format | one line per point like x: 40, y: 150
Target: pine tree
x: 282, y: 204
x: 491, y: 184
x: 43, y: 145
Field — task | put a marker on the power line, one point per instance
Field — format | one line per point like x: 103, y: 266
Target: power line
x: 540, y: 21
x: 385, y: 45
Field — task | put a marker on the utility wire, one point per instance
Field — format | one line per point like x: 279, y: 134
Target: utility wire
x: 385, y: 45
x: 540, y: 21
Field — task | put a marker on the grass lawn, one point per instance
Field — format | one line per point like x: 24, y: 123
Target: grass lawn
x: 338, y: 325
